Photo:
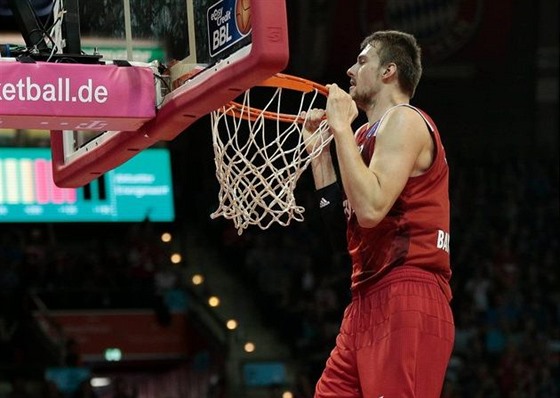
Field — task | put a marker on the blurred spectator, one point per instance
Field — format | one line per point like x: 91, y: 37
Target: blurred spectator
x: 50, y: 390
x: 19, y: 389
x: 122, y: 389
x: 85, y: 390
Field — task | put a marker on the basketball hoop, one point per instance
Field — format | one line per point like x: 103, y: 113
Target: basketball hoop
x: 260, y: 150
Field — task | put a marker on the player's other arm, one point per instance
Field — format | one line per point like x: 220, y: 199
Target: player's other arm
x: 328, y: 192
x: 322, y: 166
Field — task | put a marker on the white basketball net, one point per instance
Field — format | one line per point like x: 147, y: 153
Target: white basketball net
x: 258, y: 169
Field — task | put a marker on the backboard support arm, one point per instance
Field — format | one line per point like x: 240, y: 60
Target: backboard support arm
x: 71, y: 27
x: 26, y: 19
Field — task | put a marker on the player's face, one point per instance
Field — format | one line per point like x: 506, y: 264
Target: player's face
x: 365, y: 77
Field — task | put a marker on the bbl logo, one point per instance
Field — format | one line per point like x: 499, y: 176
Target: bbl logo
x: 228, y: 22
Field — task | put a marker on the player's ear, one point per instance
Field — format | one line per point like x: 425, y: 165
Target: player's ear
x: 389, y: 69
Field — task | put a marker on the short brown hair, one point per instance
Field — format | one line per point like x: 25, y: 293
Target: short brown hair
x: 403, y: 50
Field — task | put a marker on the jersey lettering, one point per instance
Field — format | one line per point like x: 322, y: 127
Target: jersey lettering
x: 442, y: 240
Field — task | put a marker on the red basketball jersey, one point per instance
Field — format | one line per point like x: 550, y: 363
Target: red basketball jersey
x: 415, y: 232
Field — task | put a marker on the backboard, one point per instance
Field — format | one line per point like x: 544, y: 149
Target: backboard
x: 214, y: 50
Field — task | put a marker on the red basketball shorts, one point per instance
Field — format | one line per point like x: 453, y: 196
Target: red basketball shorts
x: 395, y: 341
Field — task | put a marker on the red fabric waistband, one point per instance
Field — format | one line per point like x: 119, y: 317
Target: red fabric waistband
x: 403, y: 273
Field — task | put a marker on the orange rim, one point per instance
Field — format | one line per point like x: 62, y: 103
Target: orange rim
x: 279, y: 80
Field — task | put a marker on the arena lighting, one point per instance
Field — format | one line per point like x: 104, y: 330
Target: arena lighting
x: 166, y: 237
x: 249, y: 346
x: 287, y: 394
x: 231, y: 324
x: 214, y: 301
x: 97, y: 382
x: 113, y: 354
x: 176, y: 258
x: 197, y: 279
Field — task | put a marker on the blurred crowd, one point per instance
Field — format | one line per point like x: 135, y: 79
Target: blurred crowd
x: 66, y: 267
x: 504, y: 245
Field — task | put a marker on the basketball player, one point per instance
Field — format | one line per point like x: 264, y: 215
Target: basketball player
x: 397, y: 334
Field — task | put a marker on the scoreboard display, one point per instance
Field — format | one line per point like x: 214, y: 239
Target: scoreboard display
x: 140, y: 189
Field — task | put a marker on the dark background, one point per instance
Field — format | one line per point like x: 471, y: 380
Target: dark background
x: 490, y: 83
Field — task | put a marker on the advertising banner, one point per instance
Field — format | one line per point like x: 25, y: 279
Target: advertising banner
x: 70, y: 96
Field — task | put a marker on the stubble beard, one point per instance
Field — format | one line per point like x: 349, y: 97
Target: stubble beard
x: 362, y: 99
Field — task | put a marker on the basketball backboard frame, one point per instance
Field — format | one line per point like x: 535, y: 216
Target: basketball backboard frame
x: 207, y: 90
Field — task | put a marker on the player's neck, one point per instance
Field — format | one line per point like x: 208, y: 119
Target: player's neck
x: 383, y: 103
